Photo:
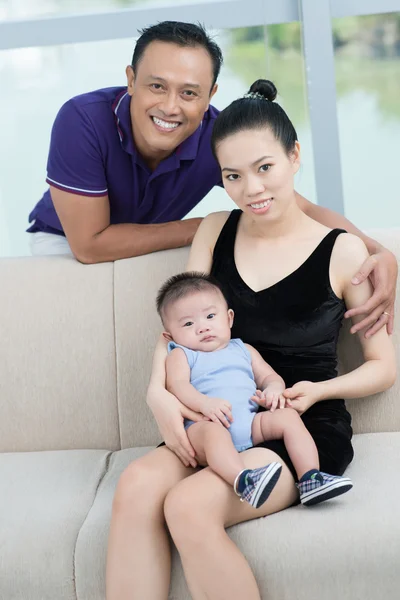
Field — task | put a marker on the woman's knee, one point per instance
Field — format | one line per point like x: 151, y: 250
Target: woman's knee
x: 186, y: 515
x: 132, y: 492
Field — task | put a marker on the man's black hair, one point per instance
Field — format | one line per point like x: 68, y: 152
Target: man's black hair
x: 182, y: 34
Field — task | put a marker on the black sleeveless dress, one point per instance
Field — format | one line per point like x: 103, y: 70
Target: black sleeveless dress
x: 294, y: 324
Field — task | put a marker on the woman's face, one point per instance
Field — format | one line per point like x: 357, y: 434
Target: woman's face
x: 257, y: 173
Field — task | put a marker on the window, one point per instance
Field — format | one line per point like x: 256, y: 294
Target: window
x: 367, y: 61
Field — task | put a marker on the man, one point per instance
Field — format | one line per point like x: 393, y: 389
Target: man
x: 126, y: 164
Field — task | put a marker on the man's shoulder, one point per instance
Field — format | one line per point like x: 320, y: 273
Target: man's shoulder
x: 94, y: 104
x: 104, y: 96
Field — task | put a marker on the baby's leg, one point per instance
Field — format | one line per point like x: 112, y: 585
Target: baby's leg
x: 314, y: 486
x: 214, y: 447
x: 286, y: 424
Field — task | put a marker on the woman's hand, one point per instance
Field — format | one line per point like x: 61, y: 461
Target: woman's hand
x: 303, y: 395
x: 381, y: 268
x: 169, y: 414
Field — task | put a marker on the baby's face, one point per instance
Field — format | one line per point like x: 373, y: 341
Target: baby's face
x: 200, y: 321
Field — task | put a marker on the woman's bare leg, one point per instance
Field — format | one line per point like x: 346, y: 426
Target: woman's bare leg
x: 214, y: 447
x: 287, y: 425
x: 199, y: 509
x: 138, y: 560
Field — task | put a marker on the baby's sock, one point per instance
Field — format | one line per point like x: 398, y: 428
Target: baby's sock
x: 242, y: 482
x: 309, y: 475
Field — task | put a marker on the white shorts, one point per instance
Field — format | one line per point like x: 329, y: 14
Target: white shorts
x: 45, y: 244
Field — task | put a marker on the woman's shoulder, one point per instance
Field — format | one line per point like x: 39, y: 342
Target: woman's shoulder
x: 201, y: 252
x: 216, y: 220
x: 349, y: 248
x: 348, y: 254
x: 211, y: 227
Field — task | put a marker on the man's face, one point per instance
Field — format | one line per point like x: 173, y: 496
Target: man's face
x: 170, y: 92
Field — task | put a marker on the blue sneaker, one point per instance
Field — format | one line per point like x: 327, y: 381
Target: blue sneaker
x: 260, y: 483
x: 321, y: 487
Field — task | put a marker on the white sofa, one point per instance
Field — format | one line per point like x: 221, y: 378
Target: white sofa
x: 75, y: 356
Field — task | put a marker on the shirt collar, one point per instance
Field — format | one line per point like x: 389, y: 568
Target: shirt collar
x: 187, y: 150
x: 122, y: 113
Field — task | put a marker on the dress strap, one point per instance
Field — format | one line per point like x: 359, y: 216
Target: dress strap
x: 320, y: 260
x: 227, y: 236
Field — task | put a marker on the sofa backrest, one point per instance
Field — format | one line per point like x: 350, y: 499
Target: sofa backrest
x: 57, y: 355
x: 76, y: 352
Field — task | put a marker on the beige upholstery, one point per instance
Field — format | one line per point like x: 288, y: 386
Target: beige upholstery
x: 57, y: 355
x: 45, y: 498
x: 75, y: 358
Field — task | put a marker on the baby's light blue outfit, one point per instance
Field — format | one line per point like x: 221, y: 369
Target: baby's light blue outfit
x: 226, y: 374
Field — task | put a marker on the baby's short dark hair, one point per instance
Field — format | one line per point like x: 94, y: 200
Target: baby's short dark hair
x: 183, y: 284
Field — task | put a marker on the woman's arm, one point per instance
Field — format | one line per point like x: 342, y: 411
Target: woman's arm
x: 168, y: 411
x: 379, y: 369
x: 378, y: 372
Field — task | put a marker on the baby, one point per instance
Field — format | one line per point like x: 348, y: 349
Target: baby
x: 221, y: 378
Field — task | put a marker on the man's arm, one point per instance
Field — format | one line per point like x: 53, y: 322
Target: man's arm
x: 380, y: 267
x: 86, y: 224
x: 331, y: 219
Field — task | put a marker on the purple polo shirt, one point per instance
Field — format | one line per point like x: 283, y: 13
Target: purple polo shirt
x: 92, y: 153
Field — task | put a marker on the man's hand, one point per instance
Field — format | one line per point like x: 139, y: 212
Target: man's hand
x: 218, y: 411
x: 271, y: 399
x: 381, y: 268
x: 303, y: 395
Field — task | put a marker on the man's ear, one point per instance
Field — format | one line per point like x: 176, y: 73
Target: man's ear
x: 213, y: 91
x: 130, y: 79
x: 167, y: 336
x: 231, y: 314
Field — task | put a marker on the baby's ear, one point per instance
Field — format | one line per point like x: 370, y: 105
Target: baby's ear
x: 167, y: 336
x: 230, y: 315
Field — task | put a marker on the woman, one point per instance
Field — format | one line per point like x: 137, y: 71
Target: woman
x: 289, y: 306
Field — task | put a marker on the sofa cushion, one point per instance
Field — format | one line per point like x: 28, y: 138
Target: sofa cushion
x: 44, y: 500
x: 91, y: 545
x: 347, y: 548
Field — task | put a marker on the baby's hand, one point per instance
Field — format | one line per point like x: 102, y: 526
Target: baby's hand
x: 218, y: 411
x: 271, y: 398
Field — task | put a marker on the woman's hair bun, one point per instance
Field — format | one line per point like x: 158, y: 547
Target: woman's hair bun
x: 265, y: 88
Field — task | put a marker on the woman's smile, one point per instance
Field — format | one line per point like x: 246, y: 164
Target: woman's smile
x: 261, y: 207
